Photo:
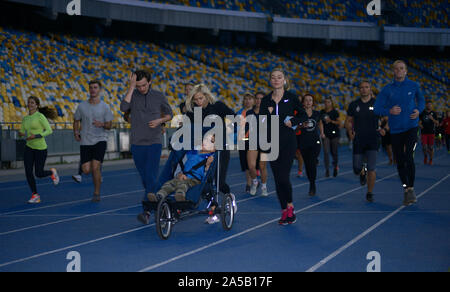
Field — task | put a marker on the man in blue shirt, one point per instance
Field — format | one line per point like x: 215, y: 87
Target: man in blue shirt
x: 402, y: 101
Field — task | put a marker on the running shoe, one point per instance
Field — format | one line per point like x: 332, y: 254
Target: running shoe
x: 95, y: 198
x: 152, y: 197
x: 264, y: 192
x: 410, y: 197
x: 144, y: 218
x: 77, y: 178
x: 291, y: 218
x: 327, y: 173
x: 335, y: 171
x: 363, y: 176
x: 212, y: 219
x: 299, y: 173
x: 253, y: 188
x: 283, y: 219
x: 180, y: 197
x: 369, y: 197
x: 54, y: 176
x: 35, y: 199
x: 312, y: 189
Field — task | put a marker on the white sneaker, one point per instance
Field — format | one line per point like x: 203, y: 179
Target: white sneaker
x: 55, y: 176
x: 264, y: 192
x: 253, y: 189
x: 212, y: 219
x: 77, y: 178
x: 35, y: 199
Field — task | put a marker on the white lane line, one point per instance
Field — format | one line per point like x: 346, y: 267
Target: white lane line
x: 120, y: 194
x: 152, y: 267
x: 69, y: 203
x: 73, y: 246
x: 25, y: 185
x: 67, y: 220
x: 108, y: 211
x: 363, y: 234
x: 147, y: 226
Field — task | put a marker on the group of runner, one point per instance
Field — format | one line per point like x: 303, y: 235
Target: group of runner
x: 302, y: 133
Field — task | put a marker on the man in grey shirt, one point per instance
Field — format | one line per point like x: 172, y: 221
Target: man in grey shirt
x: 92, y: 120
x: 149, y: 109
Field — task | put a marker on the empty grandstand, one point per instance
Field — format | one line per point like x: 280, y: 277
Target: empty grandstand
x: 57, y: 66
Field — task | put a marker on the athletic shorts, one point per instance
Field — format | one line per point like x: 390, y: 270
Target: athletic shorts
x: 369, y: 157
x: 428, y: 139
x: 361, y: 145
x: 93, y: 152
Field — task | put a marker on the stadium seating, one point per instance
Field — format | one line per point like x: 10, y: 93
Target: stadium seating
x: 337, y: 75
x: 428, y: 13
x: 237, y: 5
x: 57, y: 69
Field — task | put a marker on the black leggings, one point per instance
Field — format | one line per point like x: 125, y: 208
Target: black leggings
x: 310, y: 156
x: 403, y: 146
x: 223, y: 168
x: 281, y: 169
x: 36, y: 158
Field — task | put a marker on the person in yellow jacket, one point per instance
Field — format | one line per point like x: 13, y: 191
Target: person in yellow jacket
x: 35, y: 128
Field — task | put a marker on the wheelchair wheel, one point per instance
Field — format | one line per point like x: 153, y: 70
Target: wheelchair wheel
x: 164, y: 219
x: 227, y: 212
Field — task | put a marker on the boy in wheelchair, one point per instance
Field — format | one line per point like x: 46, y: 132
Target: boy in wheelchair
x: 195, y: 168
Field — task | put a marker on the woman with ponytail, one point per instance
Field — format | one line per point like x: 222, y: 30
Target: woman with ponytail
x: 35, y: 128
x: 280, y: 102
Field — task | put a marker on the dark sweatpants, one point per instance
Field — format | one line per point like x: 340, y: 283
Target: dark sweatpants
x: 403, y: 146
x: 330, y: 146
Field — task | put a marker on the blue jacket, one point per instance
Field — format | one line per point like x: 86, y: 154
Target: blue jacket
x: 408, y: 96
x: 193, y: 158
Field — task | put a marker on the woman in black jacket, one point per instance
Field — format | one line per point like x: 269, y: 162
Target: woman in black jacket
x: 290, y: 114
x: 201, y: 96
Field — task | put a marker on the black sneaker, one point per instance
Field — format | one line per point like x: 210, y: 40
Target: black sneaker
x: 95, y: 198
x: 363, y: 176
x: 292, y: 219
x: 312, y: 189
x: 369, y: 197
x: 335, y: 171
x: 144, y: 218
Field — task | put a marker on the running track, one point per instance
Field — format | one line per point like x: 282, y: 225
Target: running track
x: 335, y: 231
